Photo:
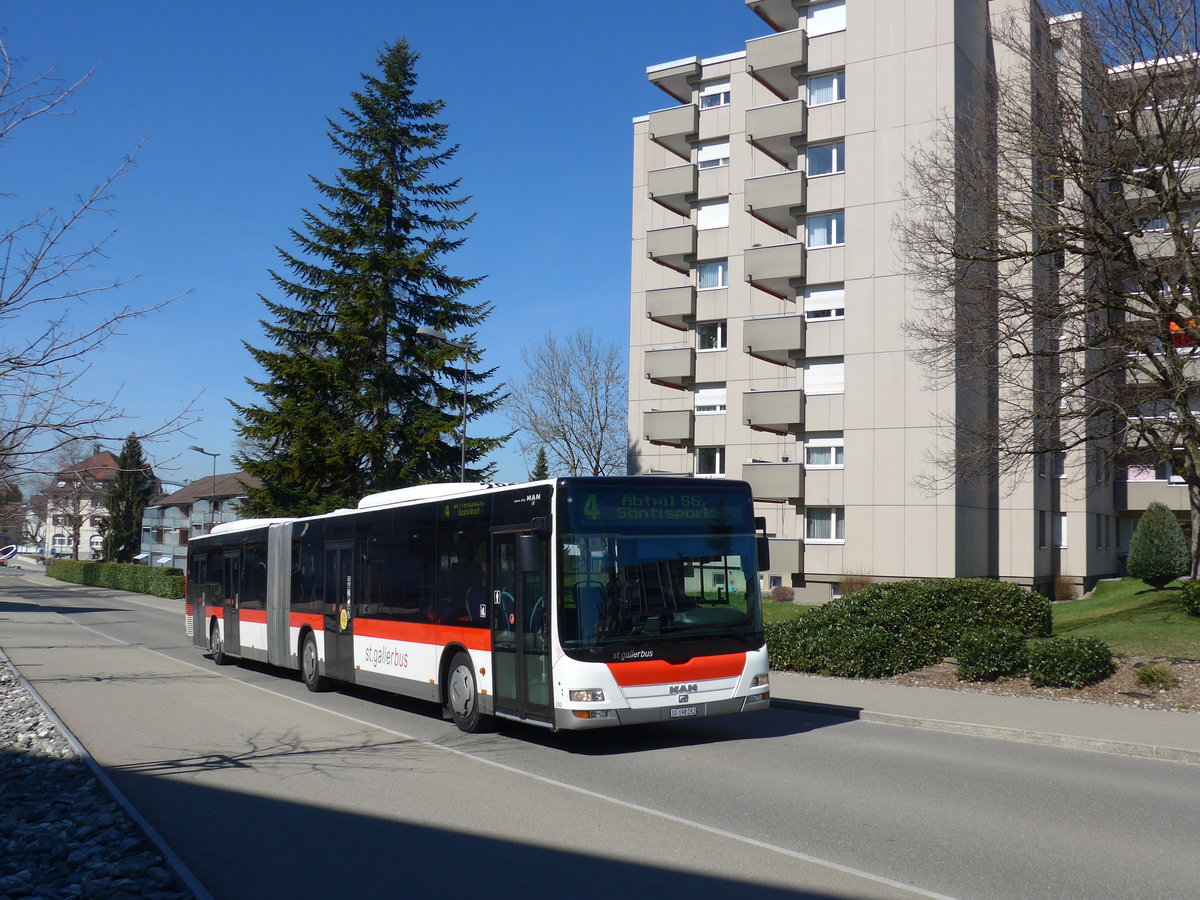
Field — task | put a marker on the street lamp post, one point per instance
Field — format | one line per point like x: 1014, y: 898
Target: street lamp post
x: 212, y: 500
x: 465, y: 347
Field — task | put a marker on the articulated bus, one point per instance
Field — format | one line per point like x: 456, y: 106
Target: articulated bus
x: 571, y: 603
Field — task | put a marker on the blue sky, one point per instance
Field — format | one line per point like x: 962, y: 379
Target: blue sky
x: 231, y: 100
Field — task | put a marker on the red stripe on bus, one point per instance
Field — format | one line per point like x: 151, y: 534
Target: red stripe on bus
x: 211, y: 611
x: 316, y: 620
x: 253, y: 615
x: 660, y: 671
x: 422, y: 633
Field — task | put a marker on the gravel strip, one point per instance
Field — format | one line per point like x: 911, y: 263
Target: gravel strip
x: 62, y: 835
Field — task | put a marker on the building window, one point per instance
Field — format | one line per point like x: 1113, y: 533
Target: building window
x: 712, y: 214
x: 826, y: 230
x: 710, y: 400
x: 825, y: 18
x: 713, y: 274
x: 710, y: 461
x: 711, y: 335
x: 59, y: 541
x: 1041, y: 528
x: 825, y: 376
x: 824, y: 301
x: 826, y: 159
x: 715, y: 93
x: 825, y: 452
x: 1060, y: 530
x: 827, y: 88
x: 825, y: 523
x: 711, y: 154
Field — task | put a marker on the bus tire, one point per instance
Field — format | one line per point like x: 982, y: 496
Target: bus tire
x: 310, y: 665
x: 462, y: 694
x: 216, y: 646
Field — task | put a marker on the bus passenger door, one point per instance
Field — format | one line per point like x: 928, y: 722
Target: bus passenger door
x: 339, y: 611
x: 521, y: 625
x: 232, y: 588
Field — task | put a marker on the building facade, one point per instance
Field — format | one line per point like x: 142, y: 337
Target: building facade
x: 169, y: 523
x: 769, y: 301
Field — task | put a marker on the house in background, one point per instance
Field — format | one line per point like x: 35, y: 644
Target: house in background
x: 71, y: 505
x: 194, y: 510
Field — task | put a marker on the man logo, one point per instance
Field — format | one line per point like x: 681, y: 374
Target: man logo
x: 684, y: 688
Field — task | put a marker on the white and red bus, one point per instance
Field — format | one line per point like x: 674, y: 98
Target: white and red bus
x: 571, y: 603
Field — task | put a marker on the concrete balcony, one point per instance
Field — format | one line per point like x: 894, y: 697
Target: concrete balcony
x: 777, y: 60
x: 778, y: 200
x: 1135, y: 496
x: 674, y: 367
x: 781, y: 15
x: 1156, y: 245
x: 779, y: 412
x: 787, y: 555
x: 777, y: 130
x: 778, y: 269
x: 675, y: 129
x: 775, y: 481
x: 776, y: 339
x: 668, y: 427
x: 673, y: 247
x: 676, y: 78
x: 674, y: 307
x: 674, y: 188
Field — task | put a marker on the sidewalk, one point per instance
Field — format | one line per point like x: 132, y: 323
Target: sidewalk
x: 1148, y: 733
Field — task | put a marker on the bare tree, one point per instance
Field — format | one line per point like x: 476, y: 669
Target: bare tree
x: 1050, y: 228
x: 571, y: 402
x: 50, y: 322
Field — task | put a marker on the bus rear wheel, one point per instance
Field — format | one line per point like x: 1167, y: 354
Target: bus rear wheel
x: 310, y: 665
x: 217, y: 646
x: 462, y: 694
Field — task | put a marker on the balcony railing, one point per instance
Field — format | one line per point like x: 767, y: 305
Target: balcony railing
x: 674, y: 188
x: 776, y: 339
x: 778, y: 60
x: 673, y: 367
x: 676, y: 78
x: 775, y: 481
x: 674, y: 307
x: 670, y: 427
x: 778, y: 130
x: 673, y: 247
x: 778, y: 200
x: 779, y: 412
x: 675, y: 129
x: 778, y: 269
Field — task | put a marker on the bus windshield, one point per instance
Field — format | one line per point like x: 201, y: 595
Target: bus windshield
x: 657, y: 571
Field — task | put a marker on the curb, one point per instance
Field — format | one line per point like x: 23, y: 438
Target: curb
x: 1000, y: 732
x: 185, y: 875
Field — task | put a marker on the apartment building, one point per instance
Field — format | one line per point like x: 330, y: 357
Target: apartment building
x: 768, y: 302
x: 193, y: 510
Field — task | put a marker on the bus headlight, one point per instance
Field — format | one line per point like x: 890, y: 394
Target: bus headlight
x: 762, y: 680
x: 588, y: 695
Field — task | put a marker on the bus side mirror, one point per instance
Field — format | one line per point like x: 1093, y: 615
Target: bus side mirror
x: 529, y: 553
x: 764, y: 553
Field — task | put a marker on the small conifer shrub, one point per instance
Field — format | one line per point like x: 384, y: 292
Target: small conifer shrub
x: 1158, y: 551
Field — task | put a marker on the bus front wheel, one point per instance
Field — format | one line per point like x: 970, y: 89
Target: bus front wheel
x: 462, y: 694
x: 310, y: 665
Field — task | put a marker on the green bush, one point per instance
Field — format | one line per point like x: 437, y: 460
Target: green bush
x: 1190, y: 594
x: 888, y: 628
x: 991, y: 653
x: 164, y: 582
x: 1158, y: 551
x: 1070, y: 662
x: 1157, y: 675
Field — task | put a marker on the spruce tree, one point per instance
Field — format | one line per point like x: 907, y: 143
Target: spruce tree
x: 131, y: 490
x: 541, y: 468
x: 1158, y: 550
x: 355, y: 400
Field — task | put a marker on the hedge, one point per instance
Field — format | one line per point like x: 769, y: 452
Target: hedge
x: 1070, y: 662
x: 991, y: 653
x: 1189, y: 593
x: 161, y: 582
x: 888, y: 628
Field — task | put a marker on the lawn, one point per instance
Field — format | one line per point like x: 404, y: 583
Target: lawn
x: 1133, y: 619
x: 782, y: 612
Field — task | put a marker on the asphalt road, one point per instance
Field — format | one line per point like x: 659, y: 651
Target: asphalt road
x: 265, y: 790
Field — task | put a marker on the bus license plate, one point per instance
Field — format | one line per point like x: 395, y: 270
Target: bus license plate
x: 684, y: 712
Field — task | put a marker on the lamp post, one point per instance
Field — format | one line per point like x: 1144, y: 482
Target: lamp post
x: 212, y: 500
x: 465, y: 347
